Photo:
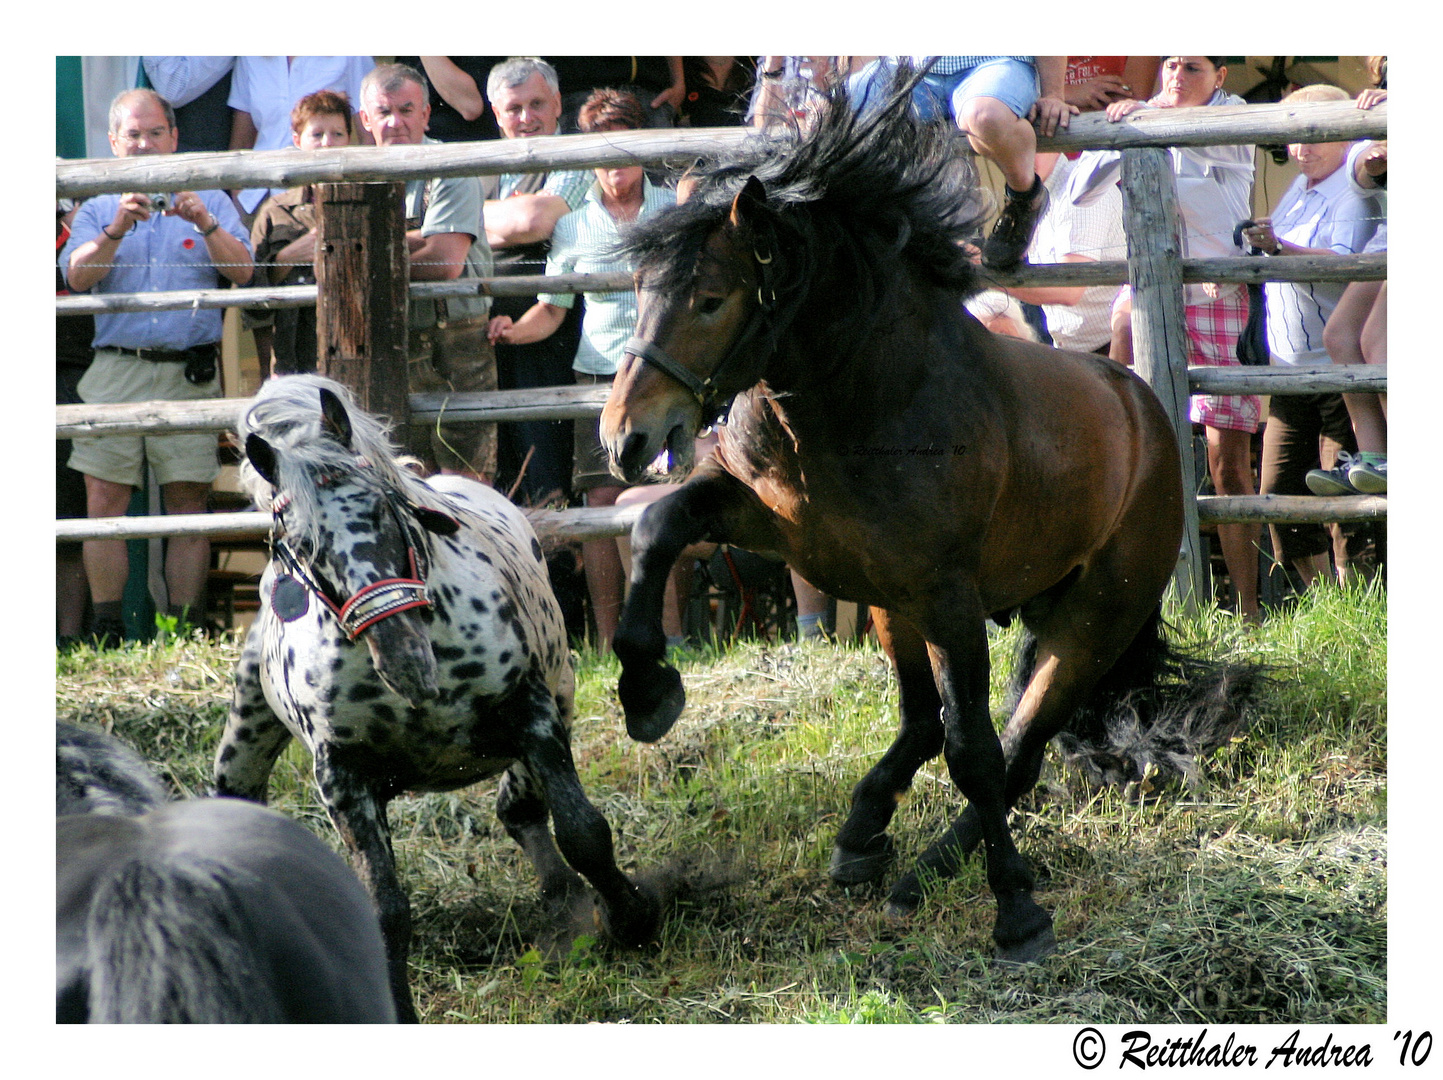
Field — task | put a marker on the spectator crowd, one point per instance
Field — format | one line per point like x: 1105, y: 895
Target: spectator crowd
x: 1054, y: 208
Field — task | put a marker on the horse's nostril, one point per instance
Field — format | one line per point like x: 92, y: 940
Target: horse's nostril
x: 632, y: 450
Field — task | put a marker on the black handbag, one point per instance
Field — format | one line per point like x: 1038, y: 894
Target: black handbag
x: 1252, y: 348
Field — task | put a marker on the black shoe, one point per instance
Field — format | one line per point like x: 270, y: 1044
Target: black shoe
x: 107, y: 634
x: 1013, y: 232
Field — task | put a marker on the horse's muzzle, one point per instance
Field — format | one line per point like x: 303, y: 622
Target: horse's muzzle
x: 401, y: 653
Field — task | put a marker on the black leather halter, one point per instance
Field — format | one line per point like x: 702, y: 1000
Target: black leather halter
x: 756, y: 342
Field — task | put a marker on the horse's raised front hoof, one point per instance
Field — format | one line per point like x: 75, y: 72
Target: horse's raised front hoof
x: 861, y: 867
x: 652, y: 698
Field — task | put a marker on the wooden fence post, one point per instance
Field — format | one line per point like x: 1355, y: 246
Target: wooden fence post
x: 362, y: 274
x: 1159, y: 331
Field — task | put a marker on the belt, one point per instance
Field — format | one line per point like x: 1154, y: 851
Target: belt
x: 180, y: 356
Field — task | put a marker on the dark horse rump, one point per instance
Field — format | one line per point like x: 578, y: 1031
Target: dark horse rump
x: 205, y: 911
x: 894, y: 453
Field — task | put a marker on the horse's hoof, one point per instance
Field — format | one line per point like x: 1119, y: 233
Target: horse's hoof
x: 571, y: 916
x: 634, y: 924
x: 905, y: 897
x: 1031, y: 936
x: 652, y: 698
x: 861, y: 867
x: 1039, y: 945
x: 899, y: 911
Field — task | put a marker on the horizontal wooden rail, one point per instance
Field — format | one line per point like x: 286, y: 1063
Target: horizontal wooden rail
x: 1240, y: 270
x: 551, y: 525
x: 601, y: 522
x: 1309, y: 121
x: 1290, y: 509
x: 1286, y: 379
x: 579, y: 402
x: 221, y: 414
x: 297, y: 296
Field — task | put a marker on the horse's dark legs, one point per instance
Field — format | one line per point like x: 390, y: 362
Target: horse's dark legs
x: 522, y: 809
x: 1112, y: 604
x: 629, y: 914
x: 254, y: 736
x: 708, y: 505
x: 359, y: 815
x: 863, y: 849
x: 1023, y: 930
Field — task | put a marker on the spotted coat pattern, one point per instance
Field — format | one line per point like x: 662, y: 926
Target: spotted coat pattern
x: 427, y: 699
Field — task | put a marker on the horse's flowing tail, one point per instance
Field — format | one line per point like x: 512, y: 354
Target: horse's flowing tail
x: 169, y: 944
x: 1156, y: 713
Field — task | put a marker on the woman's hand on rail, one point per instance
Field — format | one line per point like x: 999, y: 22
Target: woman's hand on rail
x: 1370, y: 97
x: 1118, y: 109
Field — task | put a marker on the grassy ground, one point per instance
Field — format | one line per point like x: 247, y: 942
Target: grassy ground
x: 1262, y: 898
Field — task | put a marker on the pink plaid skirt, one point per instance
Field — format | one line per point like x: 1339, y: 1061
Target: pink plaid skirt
x: 1213, y: 327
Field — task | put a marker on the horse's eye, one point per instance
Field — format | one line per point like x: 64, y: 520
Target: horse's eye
x: 708, y: 304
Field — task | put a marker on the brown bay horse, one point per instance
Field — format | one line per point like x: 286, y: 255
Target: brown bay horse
x: 897, y: 454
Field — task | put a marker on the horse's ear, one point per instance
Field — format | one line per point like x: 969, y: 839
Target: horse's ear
x: 262, y: 457
x: 335, y: 421
x: 433, y: 521
x: 750, y: 204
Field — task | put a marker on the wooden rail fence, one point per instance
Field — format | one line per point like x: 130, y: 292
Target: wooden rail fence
x: 1153, y: 267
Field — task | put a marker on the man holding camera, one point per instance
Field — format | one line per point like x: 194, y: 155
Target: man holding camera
x: 132, y: 243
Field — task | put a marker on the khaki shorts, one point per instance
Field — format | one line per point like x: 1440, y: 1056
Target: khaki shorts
x: 589, y: 463
x: 454, y: 357
x: 116, y: 378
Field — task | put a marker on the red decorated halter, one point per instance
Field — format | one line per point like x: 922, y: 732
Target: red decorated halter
x: 373, y: 602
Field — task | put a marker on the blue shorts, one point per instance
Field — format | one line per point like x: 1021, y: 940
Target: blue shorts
x: 1011, y: 82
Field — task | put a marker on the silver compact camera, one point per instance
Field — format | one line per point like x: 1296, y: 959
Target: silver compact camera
x: 160, y: 203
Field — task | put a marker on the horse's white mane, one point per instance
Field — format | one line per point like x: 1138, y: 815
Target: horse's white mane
x: 286, y: 413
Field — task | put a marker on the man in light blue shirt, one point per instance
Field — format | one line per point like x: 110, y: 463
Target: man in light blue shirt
x: 145, y: 243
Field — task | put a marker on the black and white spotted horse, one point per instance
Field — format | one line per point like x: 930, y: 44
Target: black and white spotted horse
x: 206, y: 911
x: 409, y: 637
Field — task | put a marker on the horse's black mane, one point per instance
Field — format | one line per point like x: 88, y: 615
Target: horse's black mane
x: 856, y: 194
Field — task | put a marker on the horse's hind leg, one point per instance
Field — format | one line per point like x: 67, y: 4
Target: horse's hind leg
x: 521, y: 806
x: 863, y: 850
x: 1079, y: 635
x: 254, y: 736
x: 629, y: 914
x: 1023, y: 930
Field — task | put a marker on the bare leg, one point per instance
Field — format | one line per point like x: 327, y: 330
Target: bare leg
x: 1121, y: 347
x: 1375, y: 342
x: 107, y: 563
x: 811, y: 607
x: 605, y: 580
x: 187, y: 558
x: 1343, y: 338
x: 1003, y: 137
x: 1229, y: 462
x: 70, y: 588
